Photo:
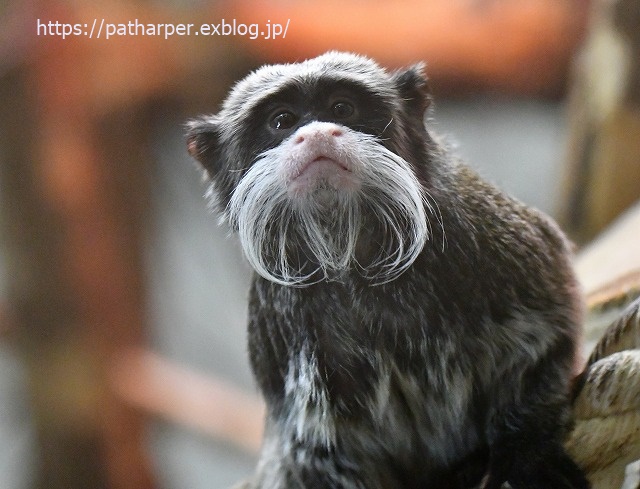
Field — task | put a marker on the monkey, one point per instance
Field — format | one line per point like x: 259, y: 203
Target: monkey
x: 410, y: 325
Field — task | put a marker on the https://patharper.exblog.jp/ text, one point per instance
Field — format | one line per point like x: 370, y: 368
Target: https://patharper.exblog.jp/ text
x: 102, y: 29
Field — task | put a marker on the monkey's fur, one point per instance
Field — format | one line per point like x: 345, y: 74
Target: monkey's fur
x: 410, y: 326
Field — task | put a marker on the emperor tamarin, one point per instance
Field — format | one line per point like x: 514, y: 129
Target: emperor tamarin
x: 410, y: 326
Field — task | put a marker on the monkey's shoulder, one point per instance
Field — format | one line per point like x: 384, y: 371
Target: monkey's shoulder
x: 474, y: 207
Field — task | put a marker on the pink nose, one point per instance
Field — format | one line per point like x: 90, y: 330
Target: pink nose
x: 318, y: 131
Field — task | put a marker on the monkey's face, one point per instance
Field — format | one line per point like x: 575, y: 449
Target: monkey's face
x: 316, y: 165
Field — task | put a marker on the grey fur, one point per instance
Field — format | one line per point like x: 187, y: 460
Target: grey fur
x: 457, y: 367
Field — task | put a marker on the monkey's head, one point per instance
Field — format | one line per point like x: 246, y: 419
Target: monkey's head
x: 321, y: 166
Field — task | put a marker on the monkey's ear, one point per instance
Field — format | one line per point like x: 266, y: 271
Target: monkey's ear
x: 414, y: 88
x: 202, y: 137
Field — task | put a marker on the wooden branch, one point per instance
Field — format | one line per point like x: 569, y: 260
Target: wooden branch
x: 612, y: 258
x: 609, y: 270
x: 177, y: 394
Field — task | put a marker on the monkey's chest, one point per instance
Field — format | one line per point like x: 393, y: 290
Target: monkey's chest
x: 364, y: 402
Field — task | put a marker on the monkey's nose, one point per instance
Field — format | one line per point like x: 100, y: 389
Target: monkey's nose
x: 317, y: 131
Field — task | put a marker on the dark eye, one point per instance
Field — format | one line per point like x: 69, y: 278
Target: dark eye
x: 284, y: 120
x: 342, y: 110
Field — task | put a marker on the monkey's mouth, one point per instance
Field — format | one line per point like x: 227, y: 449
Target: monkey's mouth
x: 320, y: 173
x: 320, y: 166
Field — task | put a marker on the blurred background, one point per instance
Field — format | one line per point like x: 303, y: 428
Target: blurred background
x: 122, y: 302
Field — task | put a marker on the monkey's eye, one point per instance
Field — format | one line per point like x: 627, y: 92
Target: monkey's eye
x: 284, y: 120
x: 342, y: 109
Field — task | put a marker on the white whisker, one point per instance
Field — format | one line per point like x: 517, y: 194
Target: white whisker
x: 299, y: 240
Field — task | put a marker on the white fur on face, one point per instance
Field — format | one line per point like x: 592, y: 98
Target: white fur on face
x: 305, y: 201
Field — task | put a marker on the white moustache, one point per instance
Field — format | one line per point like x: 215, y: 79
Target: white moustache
x: 291, y: 199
